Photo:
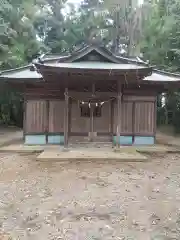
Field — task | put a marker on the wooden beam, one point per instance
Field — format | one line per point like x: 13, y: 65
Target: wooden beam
x: 86, y: 95
x: 66, y: 118
x: 118, y: 131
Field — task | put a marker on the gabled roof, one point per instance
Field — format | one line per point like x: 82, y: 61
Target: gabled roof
x: 93, y: 58
x: 74, y: 61
x: 89, y: 49
x: 77, y: 55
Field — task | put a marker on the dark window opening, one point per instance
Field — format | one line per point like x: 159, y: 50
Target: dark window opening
x: 97, y: 111
x: 86, y: 110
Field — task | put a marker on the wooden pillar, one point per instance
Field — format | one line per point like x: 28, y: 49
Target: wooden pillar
x: 69, y: 117
x: 47, y: 120
x: 155, y: 119
x: 112, y: 118
x: 66, y: 118
x: 24, y: 117
x: 24, y: 111
x: 118, y: 131
x: 91, y: 114
x: 91, y: 123
x: 133, y: 121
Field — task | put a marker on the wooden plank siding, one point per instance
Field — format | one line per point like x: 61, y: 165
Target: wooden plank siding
x: 36, y: 116
x: 43, y: 116
x: 56, y: 116
x: 144, y: 118
x: 126, y: 118
x: 138, y: 116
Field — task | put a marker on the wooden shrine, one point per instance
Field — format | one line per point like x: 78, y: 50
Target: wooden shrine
x: 89, y: 96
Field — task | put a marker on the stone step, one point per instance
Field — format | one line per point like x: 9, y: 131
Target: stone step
x: 92, y: 154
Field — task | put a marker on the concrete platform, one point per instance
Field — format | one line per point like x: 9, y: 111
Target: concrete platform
x: 80, y: 153
x: 90, y: 155
x: 21, y: 148
x: 158, y: 149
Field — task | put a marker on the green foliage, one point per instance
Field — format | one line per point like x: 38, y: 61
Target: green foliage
x: 161, y: 35
x: 18, y: 42
x: 11, y: 106
x: 18, y: 45
x: 160, y: 44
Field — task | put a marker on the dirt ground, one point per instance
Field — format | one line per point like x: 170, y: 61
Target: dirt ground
x: 89, y: 200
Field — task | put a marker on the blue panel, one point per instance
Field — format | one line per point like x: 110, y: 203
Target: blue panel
x: 56, y: 139
x: 35, y: 139
x: 144, y: 140
x: 124, y: 140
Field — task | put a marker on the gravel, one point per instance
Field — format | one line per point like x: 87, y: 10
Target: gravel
x: 89, y: 200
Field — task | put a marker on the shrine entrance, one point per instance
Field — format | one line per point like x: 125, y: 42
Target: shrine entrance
x: 97, y: 116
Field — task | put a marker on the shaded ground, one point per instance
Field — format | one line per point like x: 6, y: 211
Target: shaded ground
x: 165, y: 135
x: 89, y: 200
x: 10, y: 135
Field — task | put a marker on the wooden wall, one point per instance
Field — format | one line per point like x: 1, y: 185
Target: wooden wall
x: 144, y: 120
x: 43, y: 116
x: 56, y: 116
x: 138, y: 116
x: 36, y: 116
x: 126, y: 118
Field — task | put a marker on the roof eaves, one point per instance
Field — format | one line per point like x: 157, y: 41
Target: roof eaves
x: 15, y: 69
x: 56, y: 59
x: 9, y: 74
x: 134, y: 61
x: 156, y: 70
x: 166, y: 73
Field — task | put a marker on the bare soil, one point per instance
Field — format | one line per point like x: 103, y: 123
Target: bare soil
x: 89, y: 200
